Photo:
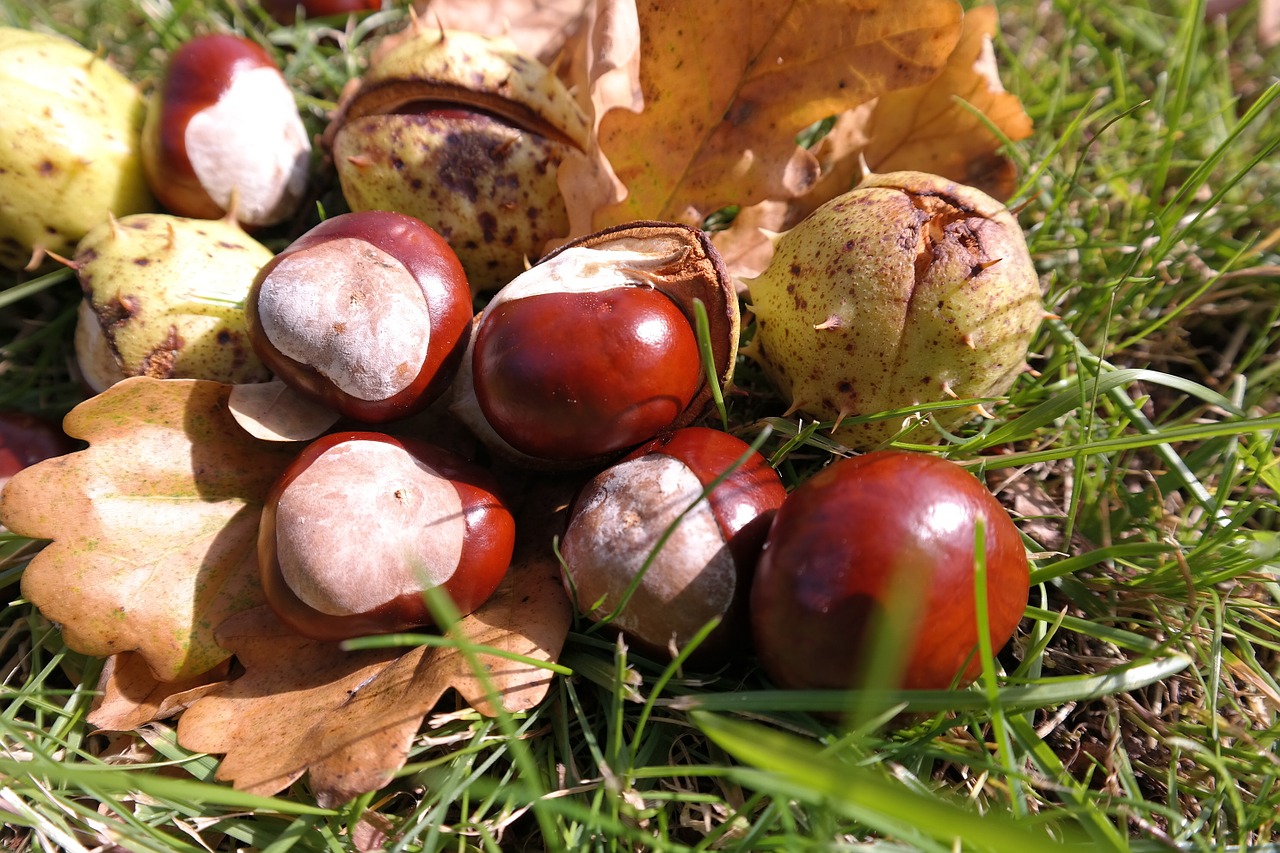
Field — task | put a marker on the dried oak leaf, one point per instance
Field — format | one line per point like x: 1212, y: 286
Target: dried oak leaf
x: 348, y: 718
x: 939, y: 127
x: 153, y: 526
x: 274, y: 411
x: 942, y: 127
x: 538, y: 28
x: 601, y: 67
x: 130, y: 696
x: 728, y: 84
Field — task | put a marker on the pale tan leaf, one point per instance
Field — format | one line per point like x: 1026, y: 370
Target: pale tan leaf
x: 273, y: 411
x: 603, y: 70
x: 538, y: 28
x: 154, y: 526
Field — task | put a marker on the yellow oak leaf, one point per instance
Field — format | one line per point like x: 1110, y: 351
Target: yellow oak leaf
x: 727, y: 85
x: 942, y: 127
x: 154, y: 526
x: 939, y: 127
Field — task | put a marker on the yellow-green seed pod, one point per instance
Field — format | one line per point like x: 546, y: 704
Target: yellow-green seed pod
x: 164, y: 297
x: 906, y: 291
x: 69, y: 145
x: 463, y: 132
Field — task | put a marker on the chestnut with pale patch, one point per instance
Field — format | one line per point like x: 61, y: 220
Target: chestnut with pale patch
x: 367, y: 313
x: 410, y: 537
x: 716, y: 497
x: 352, y: 312
x: 256, y: 113
x: 618, y: 522
x: 362, y: 524
x: 223, y: 134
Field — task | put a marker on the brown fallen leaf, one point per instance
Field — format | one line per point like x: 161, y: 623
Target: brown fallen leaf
x: 928, y: 128
x: 273, y: 411
x: 537, y: 27
x: 747, y: 245
x: 130, y: 696
x: 728, y: 84
x: 348, y: 718
x: 601, y: 66
x: 153, y: 526
x: 942, y: 128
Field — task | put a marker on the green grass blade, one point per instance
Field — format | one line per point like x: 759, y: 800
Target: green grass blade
x: 867, y: 795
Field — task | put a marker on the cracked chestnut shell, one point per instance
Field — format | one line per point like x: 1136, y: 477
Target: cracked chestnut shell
x: 367, y: 313
x: 908, y: 290
x: 362, y: 523
x: 592, y: 351
x: 467, y: 134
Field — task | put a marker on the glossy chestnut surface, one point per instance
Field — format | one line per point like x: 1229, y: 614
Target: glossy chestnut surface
x: 591, y: 351
x: 222, y: 128
x: 887, y: 537
x: 362, y: 523
x: 286, y: 11
x: 368, y: 313
x: 583, y: 374
x: 26, y: 439
x: 702, y: 571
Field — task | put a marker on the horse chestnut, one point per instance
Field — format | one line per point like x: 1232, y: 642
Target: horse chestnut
x: 361, y: 523
x: 26, y: 439
x: 906, y: 291
x: 873, y: 531
x: 367, y: 313
x: 286, y: 11
x: 702, y: 570
x: 540, y: 391
x: 592, y: 351
x: 223, y: 125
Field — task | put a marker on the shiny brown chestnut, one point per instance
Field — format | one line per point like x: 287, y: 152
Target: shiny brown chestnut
x: 592, y: 351
x: 223, y: 129
x: 367, y: 313
x: 362, y: 523
x: 702, y: 572
x: 26, y: 439
x: 286, y: 11
x: 882, y: 546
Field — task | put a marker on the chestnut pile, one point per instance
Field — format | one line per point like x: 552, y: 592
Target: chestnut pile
x: 589, y: 361
x: 601, y: 358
